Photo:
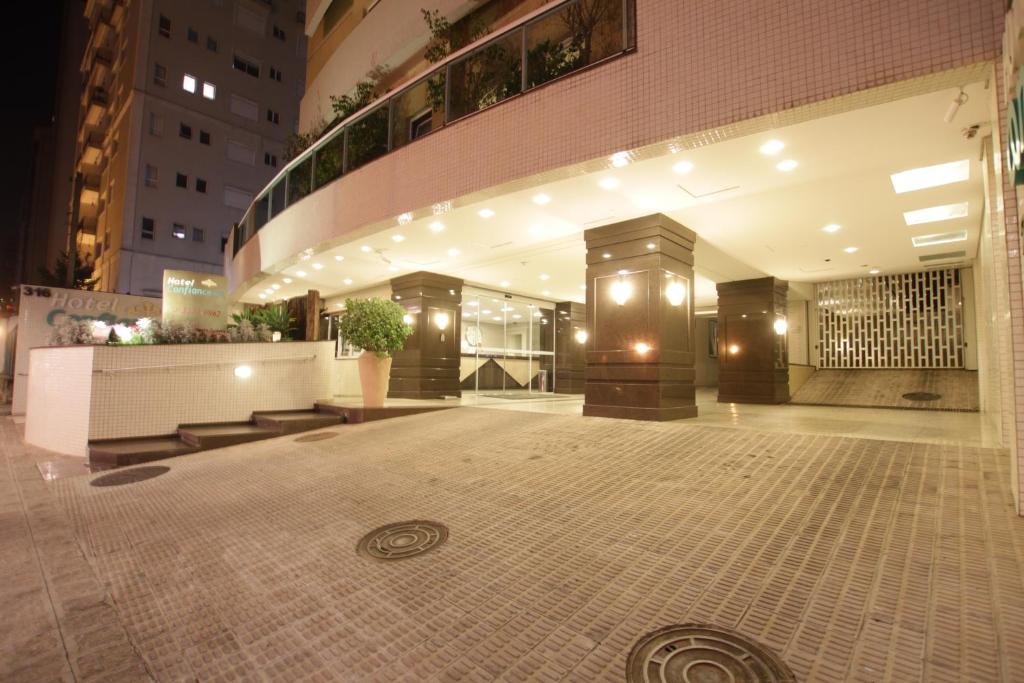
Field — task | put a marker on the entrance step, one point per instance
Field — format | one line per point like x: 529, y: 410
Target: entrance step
x: 292, y: 421
x: 206, y: 436
x: 111, y: 453
x: 353, y: 414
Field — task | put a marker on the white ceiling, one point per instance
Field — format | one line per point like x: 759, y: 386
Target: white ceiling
x: 754, y: 220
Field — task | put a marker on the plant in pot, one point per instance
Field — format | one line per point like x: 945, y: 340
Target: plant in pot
x: 377, y: 327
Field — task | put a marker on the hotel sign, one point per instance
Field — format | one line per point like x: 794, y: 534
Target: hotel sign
x: 1015, y: 132
x: 197, y: 298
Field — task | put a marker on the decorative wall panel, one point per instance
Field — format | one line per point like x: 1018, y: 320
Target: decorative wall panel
x: 910, y: 320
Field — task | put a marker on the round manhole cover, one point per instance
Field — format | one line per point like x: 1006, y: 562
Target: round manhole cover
x: 129, y: 476
x: 402, y: 539
x: 318, y: 436
x: 692, y: 653
x: 922, y: 396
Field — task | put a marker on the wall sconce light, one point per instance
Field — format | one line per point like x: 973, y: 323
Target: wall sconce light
x: 408, y: 319
x: 676, y: 293
x: 581, y: 336
x: 733, y: 349
x: 621, y: 291
x: 441, y: 320
x: 243, y: 372
x: 642, y: 347
x: 781, y: 326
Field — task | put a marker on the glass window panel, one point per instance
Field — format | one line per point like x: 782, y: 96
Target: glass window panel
x: 580, y: 34
x: 486, y: 76
x: 329, y: 159
x: 277, y: 204
x: 368, y: 138
x: 418, y: 110
x: 299, y: 179
x: 259, y: 215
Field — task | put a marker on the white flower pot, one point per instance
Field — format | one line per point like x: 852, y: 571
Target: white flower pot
x: 374, y: 373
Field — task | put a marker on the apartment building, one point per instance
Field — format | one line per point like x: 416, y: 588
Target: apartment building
x: 186, y: 110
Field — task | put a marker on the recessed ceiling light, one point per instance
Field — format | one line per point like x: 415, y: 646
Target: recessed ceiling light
x: 286, y: 280
x: 365, y: 249
x: 832, y: 227
x: 404, y: 218
x: 485, y: 213
x: 787, y: 165
x: 609, y: 183
x: 486, y: 311
x: 541, y: 199
x: 437, y: 226
x: 874, y: 271
x: 606, y: 255
x: 516, y: 316
x: 392, y: 269
x: 546, y: 292
x: 682, y: 167
x: 772, y: 147
x: 496, y: 318
x: 474, y: 303
x: 339, y: 258
x: 942, y: 238
x: 619, y: 159
x: 850, y: 250
x: 347, y: 281
x: 504, y: 283
x: 652, y: 245
x: 931, y: 176
x: 318, y: 266
x: 932, y: 214
x: 536, y: 230
x: 623, y: 272
x: 506, y: 309
x: 275, y: 286
x: 300, y: 273
x: 453, y: 252
x: 583, y: 287
x: 545, y: 276
x: 398, y: 238
x: 263, y: 296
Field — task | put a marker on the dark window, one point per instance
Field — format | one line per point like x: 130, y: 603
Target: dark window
x: 182, y: 180
x: 273, y: 116
x: 160, y: 74
x: 185, y: 131
x: 245, y: 65
x: 223, y: 244
x: 204, y: 137
x: 165, y: 26
x: 197, y: 234
x: 147, y: 228
x: 178, y: 231
x: 270, y: 159
x: 200, y: 185
x: 300, y: 17
x: 193, y: 35
x: 275, y: 74
x: 279, y: 32
x: 211, y: 44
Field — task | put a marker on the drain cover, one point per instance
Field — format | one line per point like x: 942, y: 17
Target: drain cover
x: 693, y: 653
x: 402, y: 539
x: 318, y: 436
x: 922, y: 396
x: 129, y: 476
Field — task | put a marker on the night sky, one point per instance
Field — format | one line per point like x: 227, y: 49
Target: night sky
x: 30, y: 51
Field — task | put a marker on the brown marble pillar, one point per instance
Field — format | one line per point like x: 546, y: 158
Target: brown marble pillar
x: 640, y: 317
x: 428, y: 366
x: 753, y: 363
x: 570, y: 352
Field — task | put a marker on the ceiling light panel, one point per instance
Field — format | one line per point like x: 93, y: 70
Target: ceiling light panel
x: 931, y: 176
x: 940, y: 238
x: 933, y: 214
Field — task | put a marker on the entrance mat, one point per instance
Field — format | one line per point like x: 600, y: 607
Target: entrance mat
x: 947, y: 390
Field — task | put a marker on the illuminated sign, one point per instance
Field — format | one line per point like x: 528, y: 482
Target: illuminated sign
x: 1015, y: 132
x: 197, y: 298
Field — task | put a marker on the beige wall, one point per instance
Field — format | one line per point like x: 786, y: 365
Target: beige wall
x: 705, y: 365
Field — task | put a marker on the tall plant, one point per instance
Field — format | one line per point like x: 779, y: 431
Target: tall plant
x: 374, y: 325
x: 446, y: 38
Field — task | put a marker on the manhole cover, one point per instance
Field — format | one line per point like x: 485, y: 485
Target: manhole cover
x: 922, y: 396
x: 402, y: 539
x: 693, y: 653
x: 318, y: 436
x: 129, y: 476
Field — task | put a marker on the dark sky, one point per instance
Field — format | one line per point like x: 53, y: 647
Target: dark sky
x: 30, y: 51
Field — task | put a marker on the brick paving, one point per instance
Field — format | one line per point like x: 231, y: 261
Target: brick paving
x: 570, y: 538
x: 958, y: 389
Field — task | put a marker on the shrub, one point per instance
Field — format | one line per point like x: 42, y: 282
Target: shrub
x: 375, y: 325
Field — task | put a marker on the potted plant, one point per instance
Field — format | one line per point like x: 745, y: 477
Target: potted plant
x: 377, y: 327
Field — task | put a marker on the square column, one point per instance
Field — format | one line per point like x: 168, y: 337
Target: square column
x: 428, y: 366
x: 570, y: 351
x: 753, y: 359
x: 640, y: 352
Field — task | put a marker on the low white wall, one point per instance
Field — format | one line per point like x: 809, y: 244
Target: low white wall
x: 58, y: 397
x: 111, y: 392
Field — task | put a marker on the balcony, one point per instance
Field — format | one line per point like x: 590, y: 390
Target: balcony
x: 96, y: 107
x: 92, y: 150
x: 88, y: 202
x: 545, y: 46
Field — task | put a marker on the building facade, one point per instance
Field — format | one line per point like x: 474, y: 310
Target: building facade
x: 185, y: 113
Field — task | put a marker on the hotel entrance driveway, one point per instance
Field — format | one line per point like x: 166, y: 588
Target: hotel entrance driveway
x: 569, y: 539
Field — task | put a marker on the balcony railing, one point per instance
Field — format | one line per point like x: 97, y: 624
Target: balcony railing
x: 542, y: 47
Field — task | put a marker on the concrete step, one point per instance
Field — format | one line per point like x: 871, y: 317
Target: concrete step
x: 206, y: 436
x: 356, y: 413
x: 292, y: 421
x: 111, y: 453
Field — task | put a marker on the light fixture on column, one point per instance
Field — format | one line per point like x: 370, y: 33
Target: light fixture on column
x: 781, y: 326
x: 676, y: 293
x: 581, y: 336
x: 441, y: 319
x: 734, y: 349
x: 642, y: 347
x: 621, y: 291
x: 408, y: 319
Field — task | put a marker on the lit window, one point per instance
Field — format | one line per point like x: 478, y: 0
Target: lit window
x: 209, y: 91
x: 188, y: 83
x: 178, y: 231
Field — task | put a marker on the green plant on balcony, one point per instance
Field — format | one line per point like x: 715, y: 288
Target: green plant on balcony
x: 446, y: 38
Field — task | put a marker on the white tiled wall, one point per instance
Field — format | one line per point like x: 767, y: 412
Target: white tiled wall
x: 57, y: 407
